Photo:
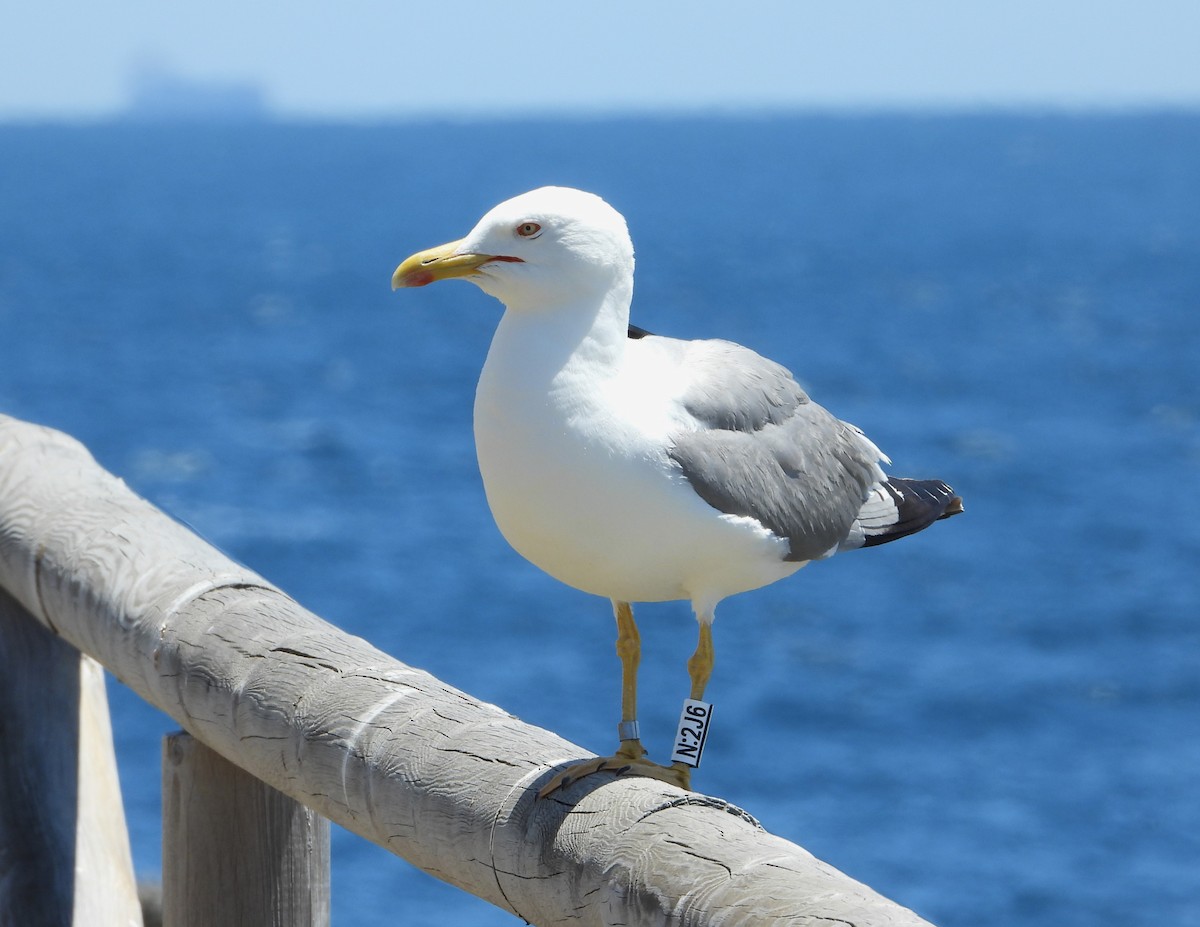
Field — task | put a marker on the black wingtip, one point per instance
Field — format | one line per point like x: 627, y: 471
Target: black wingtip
x: 919, y: 503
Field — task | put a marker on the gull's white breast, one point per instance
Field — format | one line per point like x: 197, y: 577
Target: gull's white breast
x: 573, y: 453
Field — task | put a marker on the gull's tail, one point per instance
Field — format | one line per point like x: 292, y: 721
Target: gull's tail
x: 897, y: 508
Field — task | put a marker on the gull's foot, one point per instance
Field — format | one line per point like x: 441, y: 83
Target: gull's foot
x: 622, y: 765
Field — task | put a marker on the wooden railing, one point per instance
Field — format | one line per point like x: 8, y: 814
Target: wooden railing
x: 443, y: 780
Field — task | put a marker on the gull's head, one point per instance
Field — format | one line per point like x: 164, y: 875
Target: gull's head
x: 541, y: 248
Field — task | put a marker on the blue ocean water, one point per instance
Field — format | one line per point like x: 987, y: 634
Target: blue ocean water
x: 995, y: 722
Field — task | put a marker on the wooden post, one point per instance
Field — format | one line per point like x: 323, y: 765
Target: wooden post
x: 236, y: 851
x: 64, y: 850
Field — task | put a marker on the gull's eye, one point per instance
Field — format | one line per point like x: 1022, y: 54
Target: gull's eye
x: 529, y: 230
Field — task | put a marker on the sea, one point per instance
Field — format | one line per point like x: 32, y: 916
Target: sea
x: 994, y: 722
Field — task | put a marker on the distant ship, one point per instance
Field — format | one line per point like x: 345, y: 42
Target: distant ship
x: 159, y: 95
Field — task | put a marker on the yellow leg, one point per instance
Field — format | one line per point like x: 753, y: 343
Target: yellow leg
x: 700, y: 664
x: 700, y: 667
x: 629, y: 652
x: 630, y: 756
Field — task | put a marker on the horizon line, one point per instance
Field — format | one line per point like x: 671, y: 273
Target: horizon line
x: 269, y: 115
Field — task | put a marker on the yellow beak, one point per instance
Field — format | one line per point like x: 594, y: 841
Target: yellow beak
x: 440, y: 263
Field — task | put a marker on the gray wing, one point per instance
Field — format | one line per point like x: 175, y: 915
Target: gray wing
x: 763, y: 449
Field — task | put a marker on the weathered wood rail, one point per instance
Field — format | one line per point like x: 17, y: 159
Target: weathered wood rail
x: 443, y: 780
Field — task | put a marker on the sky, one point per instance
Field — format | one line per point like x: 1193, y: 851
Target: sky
x: 382, y: 59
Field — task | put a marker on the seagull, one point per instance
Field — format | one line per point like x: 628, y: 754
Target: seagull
x: 644, y: 468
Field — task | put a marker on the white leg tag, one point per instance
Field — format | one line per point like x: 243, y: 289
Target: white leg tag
x: 693, y: 731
